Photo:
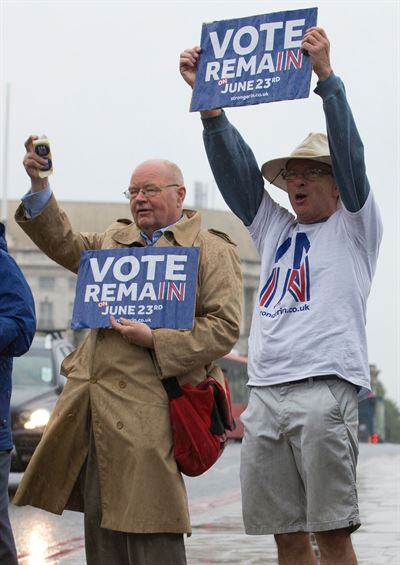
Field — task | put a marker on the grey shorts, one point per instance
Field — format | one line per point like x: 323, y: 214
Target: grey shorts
x: 299, y: 456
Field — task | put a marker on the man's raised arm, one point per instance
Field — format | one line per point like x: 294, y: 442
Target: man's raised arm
x: 346, y: 148
x: 232, y: 162
x: 44, y: 222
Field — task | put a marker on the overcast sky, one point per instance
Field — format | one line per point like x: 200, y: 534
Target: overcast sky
x: 101, y: 80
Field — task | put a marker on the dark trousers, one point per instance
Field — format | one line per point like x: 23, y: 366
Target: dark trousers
x: 106, y: 547
x: 8, y: 553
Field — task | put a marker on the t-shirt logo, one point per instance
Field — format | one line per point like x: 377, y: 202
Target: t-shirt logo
x: 296, y: 279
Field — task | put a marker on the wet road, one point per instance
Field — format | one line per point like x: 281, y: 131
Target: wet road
x: 218, y: 537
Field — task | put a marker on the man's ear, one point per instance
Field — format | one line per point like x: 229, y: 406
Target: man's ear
x: 181, y: 195
x: 335, y: 191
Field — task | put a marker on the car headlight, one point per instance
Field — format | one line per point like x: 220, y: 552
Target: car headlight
x: 37, y: 419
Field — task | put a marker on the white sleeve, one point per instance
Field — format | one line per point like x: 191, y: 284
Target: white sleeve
x: 270, y: 220
x: 364, y: 227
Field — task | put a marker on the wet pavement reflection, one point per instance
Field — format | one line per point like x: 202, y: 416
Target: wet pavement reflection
x: 215, y: 506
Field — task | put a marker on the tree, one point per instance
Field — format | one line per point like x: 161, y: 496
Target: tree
x: 392, y: 418
x: 392, y: 412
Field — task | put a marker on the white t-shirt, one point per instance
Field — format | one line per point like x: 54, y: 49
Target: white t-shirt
x: 310, y: 313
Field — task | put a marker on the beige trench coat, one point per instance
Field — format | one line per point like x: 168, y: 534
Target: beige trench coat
x: 116, y: 385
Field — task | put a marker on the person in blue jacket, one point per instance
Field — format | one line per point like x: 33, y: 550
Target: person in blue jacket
x: 307, y: 358
x: 17, y: 328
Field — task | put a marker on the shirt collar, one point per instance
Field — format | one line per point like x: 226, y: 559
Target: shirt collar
x: 183, y: 233
x: 158, y: 233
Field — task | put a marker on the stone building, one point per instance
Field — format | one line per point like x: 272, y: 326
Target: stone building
x: 53, y: 287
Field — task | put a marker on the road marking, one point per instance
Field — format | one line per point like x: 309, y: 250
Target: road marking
x: 55, y: 551
x: 205, y: 504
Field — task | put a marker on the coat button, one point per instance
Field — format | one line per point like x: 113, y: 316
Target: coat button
x: 120, y: 425
x: 122, y: 384
x: 93, y: 380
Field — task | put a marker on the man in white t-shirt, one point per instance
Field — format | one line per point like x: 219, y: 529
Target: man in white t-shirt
x: 307, y: 346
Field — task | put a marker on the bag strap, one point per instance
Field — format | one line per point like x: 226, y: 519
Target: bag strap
x: 172, y: 387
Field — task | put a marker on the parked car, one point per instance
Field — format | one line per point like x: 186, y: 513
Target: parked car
x: 37, y: 383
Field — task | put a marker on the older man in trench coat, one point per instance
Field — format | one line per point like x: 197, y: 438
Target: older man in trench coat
x: 107, y: 449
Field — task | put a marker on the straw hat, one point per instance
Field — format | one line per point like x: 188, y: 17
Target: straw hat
x: 314, y: 147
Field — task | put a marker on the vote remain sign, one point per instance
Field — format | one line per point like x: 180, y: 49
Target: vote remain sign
x: 153, y: 285
x: 253, y: 60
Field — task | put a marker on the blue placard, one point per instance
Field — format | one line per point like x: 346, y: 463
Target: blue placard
x: 253, y: 60
x: 154, y: 285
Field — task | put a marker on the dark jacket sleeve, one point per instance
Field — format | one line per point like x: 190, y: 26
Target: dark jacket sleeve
x: 346, y: 147
x: 237, y: 174
x: 17, y: 309
x: 234, y: 167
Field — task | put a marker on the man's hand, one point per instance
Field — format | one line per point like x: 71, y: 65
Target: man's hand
x: 33, y: 164
x: 133, y: 332
x: 188, y: 61
x: 188, y: 64
x: 316, y: 43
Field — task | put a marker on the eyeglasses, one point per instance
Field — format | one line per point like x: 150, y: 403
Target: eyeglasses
x: 148, y: 191
x: 308, y: 174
